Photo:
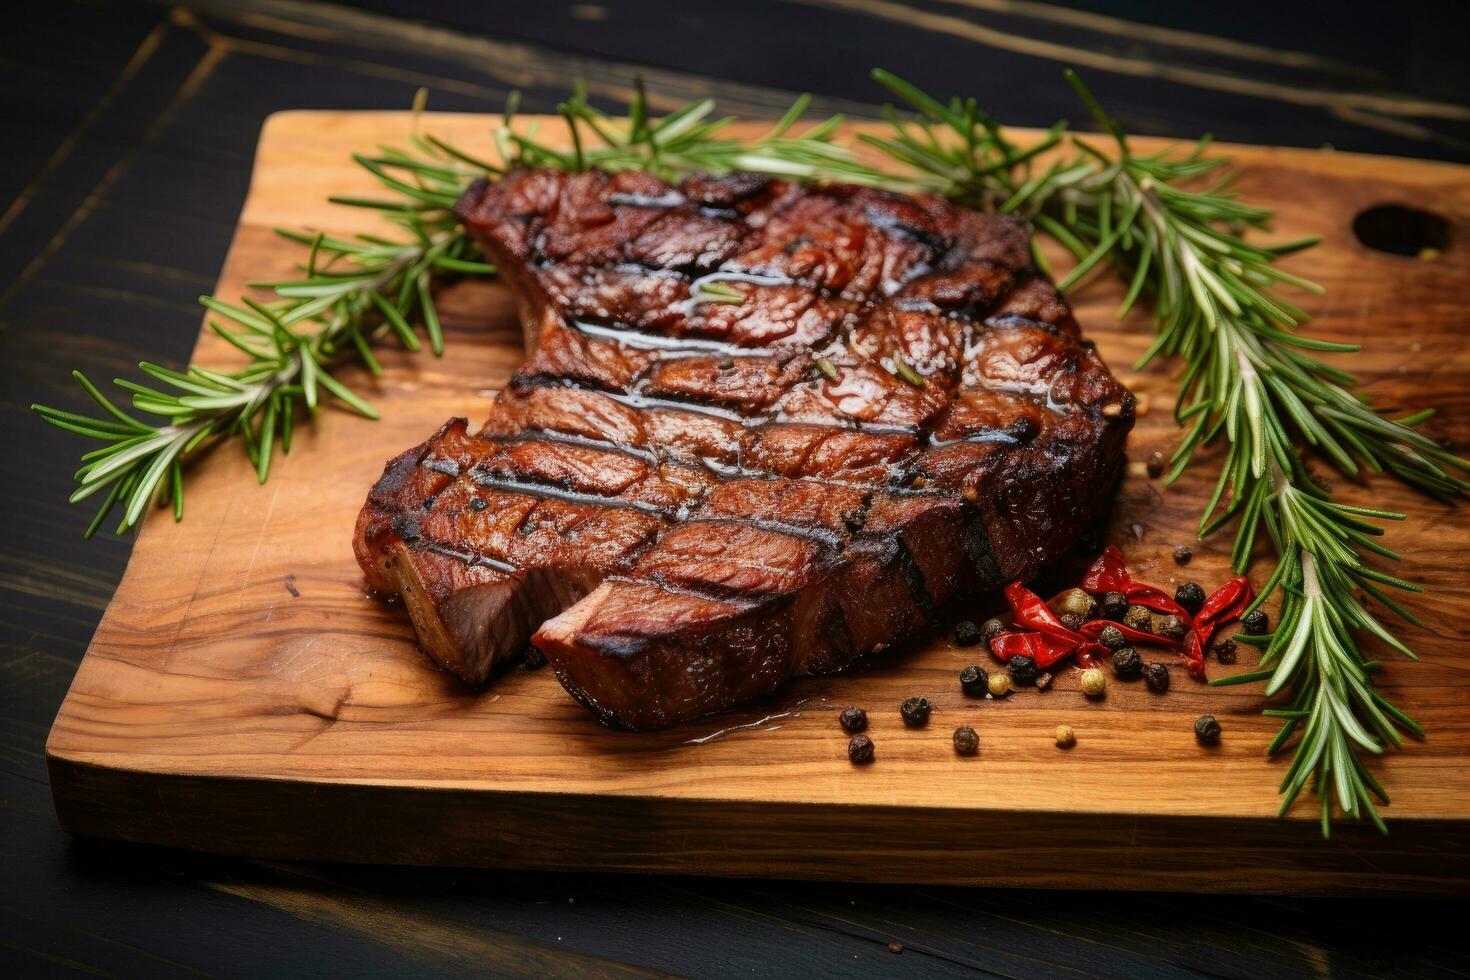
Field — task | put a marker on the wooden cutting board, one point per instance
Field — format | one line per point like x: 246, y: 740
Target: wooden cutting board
x: 244, y: 695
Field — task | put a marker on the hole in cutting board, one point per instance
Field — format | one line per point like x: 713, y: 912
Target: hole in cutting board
x: 1400, y: 230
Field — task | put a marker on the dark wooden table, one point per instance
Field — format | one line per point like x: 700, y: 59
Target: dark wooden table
x: 130, y: 136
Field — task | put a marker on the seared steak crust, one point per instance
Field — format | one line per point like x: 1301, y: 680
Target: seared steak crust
x: 761, y: 430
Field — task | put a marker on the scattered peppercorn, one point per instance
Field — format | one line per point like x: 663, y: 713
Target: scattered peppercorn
x: 1078, y: 603
x: 1127, y: 664
x: 993, y: 627
x: 1157, y: 676
x: 535, y: 659
x: 1183, y: 555
x: 973, y: 680
x: 1207, y: 729
x: 479, y: 503
x: 1066, y: 738
x: 966, y: 633
x: 1191, y: 596
x: 915, y: 712
x: 1022, y: 668
x: 1170, y: 626
x: 1043, y: 681
x: 1139, y: 618
x: 1256, y: 623
x: 966, y: 742
x: 1071, y: 620
x: 1225, y: 651
x: 1112, y: 638
x: 853, y: 719
x: 895, y: 947
x: 1093, y: 682
x: 1114, y: 606
x: 1156, y: 465
x: 998, y: 684
x: 860, y: 749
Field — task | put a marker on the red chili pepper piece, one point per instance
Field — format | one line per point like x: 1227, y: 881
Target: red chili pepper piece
x: 1089, y: 653
x: 1093, y: 628
x: 1220, y: 607
x: 1109, y: 574
x: 1032, y: 612
x: 1045, y: 650
x: 1050, y: 642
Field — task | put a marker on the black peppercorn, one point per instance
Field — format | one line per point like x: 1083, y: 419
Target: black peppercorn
x: 966, y: 634
x: 1225, y: 651
x: 1115, y: 606
x: 1071, y: 620
x: 1183, y: 555
x: 1112, y: 638
x: 1207, y: 729
x: 1023, y: 669
x: 915, y: 712
x: 1256, y: 623
x: 479, y: 503
x: 1170, y: 626
x: 1127, y: 664
x: 1190, y: 596
x: 1155, y: 465
x: 992, y: 628
x: 853, y: 719
x: 535, y: 659
x: 973, y: 681
x: 966, y: 742
x: 860, y: 749
x: 1157, y: 676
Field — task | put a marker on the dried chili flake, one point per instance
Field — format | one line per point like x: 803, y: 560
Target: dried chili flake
x: 1220, y: 607
x: 1051, y: 641
x: 1093, y: 630
x: 1031, y: 612
x: 1045, y: 650
x: 1110, y: 574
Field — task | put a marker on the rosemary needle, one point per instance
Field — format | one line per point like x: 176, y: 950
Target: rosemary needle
x: 718, y: 292
x: 906, y: 371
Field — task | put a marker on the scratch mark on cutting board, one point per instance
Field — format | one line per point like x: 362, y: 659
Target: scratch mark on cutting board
x: 260, y: 535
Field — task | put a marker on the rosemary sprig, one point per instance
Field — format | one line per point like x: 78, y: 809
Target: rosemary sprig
x: 1251, y: 381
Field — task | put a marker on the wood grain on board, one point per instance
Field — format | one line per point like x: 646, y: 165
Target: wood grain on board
x: 243, y: 694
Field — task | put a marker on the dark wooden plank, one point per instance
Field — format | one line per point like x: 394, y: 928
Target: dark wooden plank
x: 116, y: 908
x: 1251, y: 72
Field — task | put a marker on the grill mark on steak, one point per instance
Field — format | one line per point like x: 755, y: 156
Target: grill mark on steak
x: 545, y: 490
x: 672, y: 497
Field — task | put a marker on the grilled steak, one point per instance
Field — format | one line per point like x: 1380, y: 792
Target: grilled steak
x: 761, y: 430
